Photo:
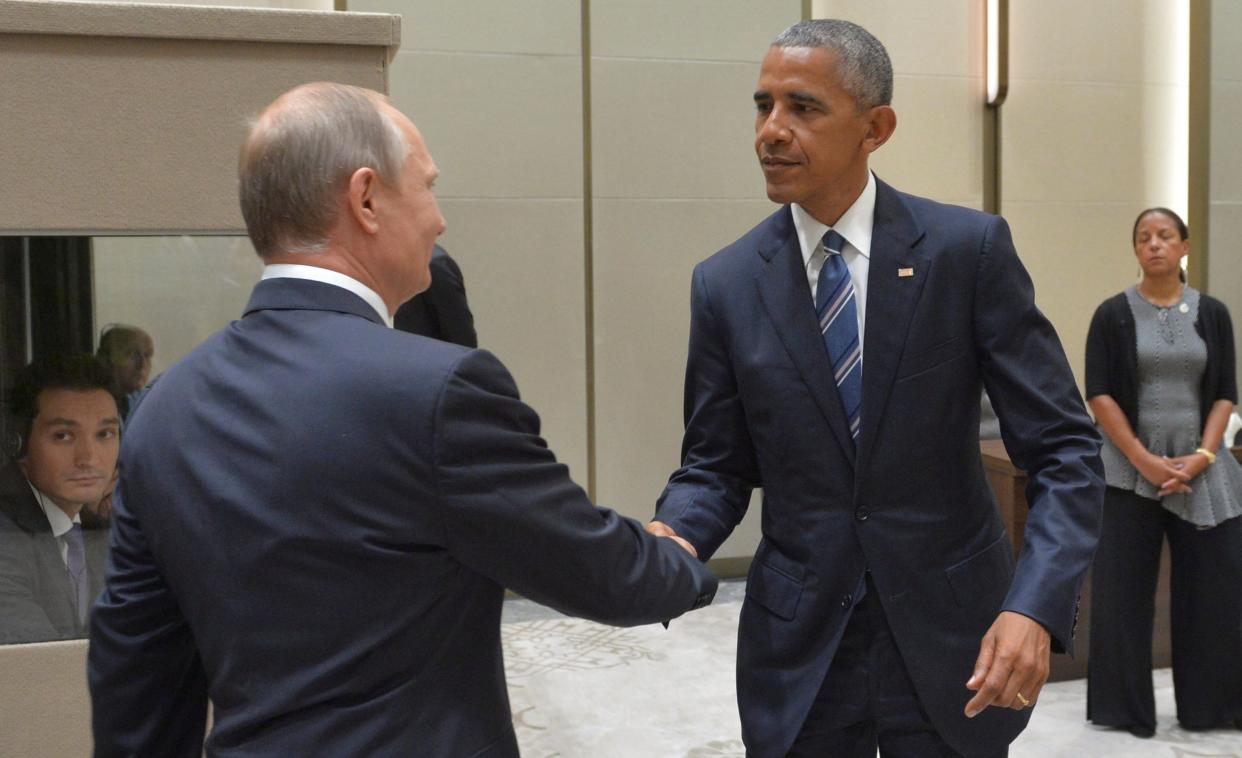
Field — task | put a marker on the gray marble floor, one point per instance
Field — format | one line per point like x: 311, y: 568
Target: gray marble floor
x: 582, y: 689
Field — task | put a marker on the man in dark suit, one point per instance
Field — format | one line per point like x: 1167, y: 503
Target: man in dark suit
x: 441, y: 311
x: 312, y: 539
x: 52, y: 548
x: 837, y: 353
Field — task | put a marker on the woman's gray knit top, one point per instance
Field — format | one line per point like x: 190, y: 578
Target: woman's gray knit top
x: 1171, y: 360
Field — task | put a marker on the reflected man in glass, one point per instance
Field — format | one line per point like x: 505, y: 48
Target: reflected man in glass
x: 52, y: 549
x: 126, y: 352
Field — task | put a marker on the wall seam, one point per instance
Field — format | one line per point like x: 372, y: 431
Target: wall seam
x: 588, y: 250
x: 1199, y: 149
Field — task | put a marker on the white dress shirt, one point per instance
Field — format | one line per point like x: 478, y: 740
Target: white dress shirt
x: 856, y: 226
x: 328, y: 276
x: 59, y: 522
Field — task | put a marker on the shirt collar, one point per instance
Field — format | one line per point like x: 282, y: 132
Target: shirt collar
x: 855, y: 225
x: 59, y: 522
x: 328, y: 276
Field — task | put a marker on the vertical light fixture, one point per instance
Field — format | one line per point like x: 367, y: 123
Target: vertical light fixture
x: 996, y: 87
x: 997, y: 14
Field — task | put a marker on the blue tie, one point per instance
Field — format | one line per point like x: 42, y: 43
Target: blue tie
x: 838, y: 322
x: 77, y: 571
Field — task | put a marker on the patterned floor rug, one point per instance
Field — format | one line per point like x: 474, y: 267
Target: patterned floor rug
x: 582, y: 689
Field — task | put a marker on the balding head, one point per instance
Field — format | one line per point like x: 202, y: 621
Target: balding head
x: 299, y: 156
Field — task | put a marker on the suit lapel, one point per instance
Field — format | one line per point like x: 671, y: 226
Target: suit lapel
x: 786, y: 296
x: 891, y: 298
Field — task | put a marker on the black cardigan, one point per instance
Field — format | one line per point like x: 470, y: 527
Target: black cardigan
x: 1112, y: 356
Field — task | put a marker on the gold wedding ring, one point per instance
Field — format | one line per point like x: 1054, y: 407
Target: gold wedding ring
x: 1023, y: 700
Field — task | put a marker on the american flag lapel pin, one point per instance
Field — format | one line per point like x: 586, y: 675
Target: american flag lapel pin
x: 902, y: 273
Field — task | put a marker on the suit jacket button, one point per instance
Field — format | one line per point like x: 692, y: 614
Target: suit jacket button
x: 847, y: 600
x: 862, y: 513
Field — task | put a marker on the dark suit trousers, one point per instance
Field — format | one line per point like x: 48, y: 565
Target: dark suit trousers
x: 867, y: 700
x: 1206, y: 616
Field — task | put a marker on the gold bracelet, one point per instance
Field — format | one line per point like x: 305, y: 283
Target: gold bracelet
x: 1207, y: 454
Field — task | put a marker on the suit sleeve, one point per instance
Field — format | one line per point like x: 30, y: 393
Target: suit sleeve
x: 513, y: 514
x: 707, y: 497
x: 148, y: 687
x: 22, y: 618
x: 1047, y: 433
x: 446, y: 298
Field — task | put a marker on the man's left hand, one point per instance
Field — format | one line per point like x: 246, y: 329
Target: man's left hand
x: 1013, y: 660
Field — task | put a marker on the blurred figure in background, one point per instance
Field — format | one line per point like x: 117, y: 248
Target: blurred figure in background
x: 441, y: 311
x: 126, y: 352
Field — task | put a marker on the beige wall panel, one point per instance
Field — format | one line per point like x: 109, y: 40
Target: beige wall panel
x: 44, y: 700
x: 1224, y: 274
x: 944, y: 37
x: 120, y: 177
x: 936, y: 150
x: 1100, y: 41
x: 500, y: 126
x: 1226, y: 170
x: 494, y: 26
x: 523, y: 267
x: 674, y: 129
x: 1077, y: 255
x: 1225, y: 263
x: 645, y: 252
x: 720, y: 30
x: 1077, y: 143
x: 1226, y: 52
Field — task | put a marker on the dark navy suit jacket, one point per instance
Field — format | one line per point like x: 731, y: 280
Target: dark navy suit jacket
x: 441, y: 311
x: 910, y: 503
x: 320, y: 544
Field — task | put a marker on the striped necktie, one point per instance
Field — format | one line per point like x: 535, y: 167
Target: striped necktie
x: 838, y: 322
x: 76, y: 565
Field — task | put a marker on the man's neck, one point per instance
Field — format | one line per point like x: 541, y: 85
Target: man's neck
x: 828, y: 209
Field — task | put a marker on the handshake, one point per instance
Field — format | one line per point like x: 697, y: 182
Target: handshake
x: 661, y: 529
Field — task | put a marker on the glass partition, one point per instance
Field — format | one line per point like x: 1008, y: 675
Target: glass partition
x: 137, y: 305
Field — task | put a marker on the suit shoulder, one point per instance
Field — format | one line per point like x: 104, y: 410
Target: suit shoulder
x: 741, y: 252
x: 933, y: 214
x: 414, y: 353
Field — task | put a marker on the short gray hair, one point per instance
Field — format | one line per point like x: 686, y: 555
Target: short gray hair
x: 863, y: 66
x: 299, y: 156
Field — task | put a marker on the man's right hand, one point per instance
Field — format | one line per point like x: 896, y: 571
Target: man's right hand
x: 661, y: 529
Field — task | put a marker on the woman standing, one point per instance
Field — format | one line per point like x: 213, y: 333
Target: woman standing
x: 1160, y: 381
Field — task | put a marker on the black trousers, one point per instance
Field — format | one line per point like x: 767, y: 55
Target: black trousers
x: 1206, y: 616
x: 867, y: 700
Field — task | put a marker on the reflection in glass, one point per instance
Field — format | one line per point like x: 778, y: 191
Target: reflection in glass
x: 156, y: 299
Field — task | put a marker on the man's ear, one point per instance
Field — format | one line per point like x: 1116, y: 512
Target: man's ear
x: 880, y: 126
x: 360, y: 196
